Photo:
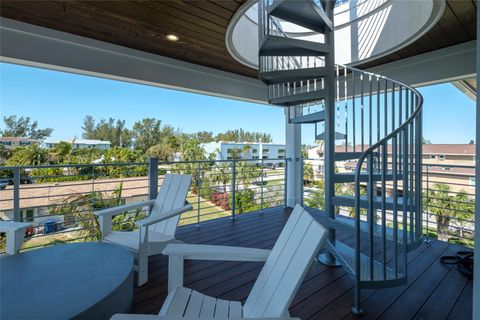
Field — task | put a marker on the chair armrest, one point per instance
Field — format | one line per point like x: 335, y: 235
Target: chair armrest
x: 213, y: 252
x: 6, y: 226
x: 120, y: 316
x: 120, y: 209
x: 172, y: 213
x: 152, y: 317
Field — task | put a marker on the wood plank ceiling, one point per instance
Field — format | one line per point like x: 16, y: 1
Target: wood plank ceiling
x: 142, y: 25
x: 201, y: 26
x: 458, y: 24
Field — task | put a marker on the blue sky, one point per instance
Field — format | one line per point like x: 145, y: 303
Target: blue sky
x: 61, y: 101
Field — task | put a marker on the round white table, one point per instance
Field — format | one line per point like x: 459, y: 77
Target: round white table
x: 70, y: 281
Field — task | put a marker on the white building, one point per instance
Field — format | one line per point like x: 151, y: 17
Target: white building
x: 80, y: 143
x: 227, y: 150
x: 15, y: 142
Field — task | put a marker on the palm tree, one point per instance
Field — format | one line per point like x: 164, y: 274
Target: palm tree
x: 222, y: 174
x: 61, y: 153
x: 80, y: 207
x: 447, y: 208
x: 30, y: 155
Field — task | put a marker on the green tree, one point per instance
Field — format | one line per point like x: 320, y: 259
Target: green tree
x: 448, y: 207
x: 425, y: 141
x: 61, y: 153
x: 147, y: 132
x: 308, y: 174
x: 24, y: 127
x: 5, y: 153
x: 108, y: 130
x: 192, y: 151
x: 222, y: 174
x: 88, y: 127
x: 78, y: 209
x: 316, y: 199
x: 204, y: 136
x: 239, y: 135
x: 29, y: 155
x: 163, y: 152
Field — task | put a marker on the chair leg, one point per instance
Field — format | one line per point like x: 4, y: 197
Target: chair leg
x: 142, y: 271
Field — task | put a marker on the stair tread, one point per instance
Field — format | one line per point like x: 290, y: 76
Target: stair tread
x: 344, y: 177
x: 346, y: 255
x: 303, y: 13
x: 350, y: 155
x: 286, y: 76
x: 338, y: 136
x: 300, y: 98
x: 364, y: 227
x: 282, y: 46
x: 349, y: 201
x: 309, y: 118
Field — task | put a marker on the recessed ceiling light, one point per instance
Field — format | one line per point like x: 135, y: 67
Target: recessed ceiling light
x: 172, y: 37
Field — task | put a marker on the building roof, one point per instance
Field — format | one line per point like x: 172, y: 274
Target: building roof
x: 444, y: 148
x: 248, y: 143
x: 459, y: 149
x: 80, y: 141
x: 16, y: 139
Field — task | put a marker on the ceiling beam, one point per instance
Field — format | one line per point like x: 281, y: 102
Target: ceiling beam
x: 439, y: 66
x: 35, y: 46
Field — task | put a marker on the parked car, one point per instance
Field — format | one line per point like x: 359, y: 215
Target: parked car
x: 23, y: 180
x: 3, y: 184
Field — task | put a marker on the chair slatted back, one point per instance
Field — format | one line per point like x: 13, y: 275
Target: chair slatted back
x: 172, y: 195
x: 287, y: 265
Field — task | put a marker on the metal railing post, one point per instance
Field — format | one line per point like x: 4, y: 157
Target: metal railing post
x: 16, y: 194
x: 261, y: 185
x: 152, y: 178
x: 93, y: 186
x: 302, y: 175
x: 427, y: 237
x: 234, y: 187
x: 285, y: 185
x: 198, y: 194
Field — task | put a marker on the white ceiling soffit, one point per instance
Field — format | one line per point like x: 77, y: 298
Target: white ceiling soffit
x: 365, y: 30
x: 468, y: 87
x: 35, y: 46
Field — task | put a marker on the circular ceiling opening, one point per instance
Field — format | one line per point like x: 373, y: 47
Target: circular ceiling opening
x: 365, y: 30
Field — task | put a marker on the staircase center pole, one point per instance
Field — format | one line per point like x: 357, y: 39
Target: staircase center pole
x: 329, y: 156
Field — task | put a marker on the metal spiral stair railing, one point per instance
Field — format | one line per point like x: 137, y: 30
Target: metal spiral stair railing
x: 377, y: 119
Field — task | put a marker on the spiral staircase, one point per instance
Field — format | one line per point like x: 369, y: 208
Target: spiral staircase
x: 367, y: 121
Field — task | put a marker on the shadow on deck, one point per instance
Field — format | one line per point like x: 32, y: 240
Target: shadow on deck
x: 434, y: 291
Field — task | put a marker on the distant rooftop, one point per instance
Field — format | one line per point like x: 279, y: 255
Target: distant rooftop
x: 79, y: 141
x: 16, y: 139
x: 442, y: 148
x: 246, y: 143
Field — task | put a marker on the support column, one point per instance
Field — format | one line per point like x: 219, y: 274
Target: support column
x: 329, y: 137
x: 294, y: 170
x: 476, y: 271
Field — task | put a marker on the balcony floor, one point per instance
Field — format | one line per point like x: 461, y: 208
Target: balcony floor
x: 433, y: 291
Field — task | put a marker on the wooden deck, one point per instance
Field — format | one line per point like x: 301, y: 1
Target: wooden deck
x: 434, y: 291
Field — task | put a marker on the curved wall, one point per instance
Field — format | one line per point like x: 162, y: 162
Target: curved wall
x: 365, y: 30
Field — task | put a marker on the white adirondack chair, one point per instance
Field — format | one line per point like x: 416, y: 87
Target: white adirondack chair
x: 157, y: 230
x: 285, y: 267
x: 15, y: 232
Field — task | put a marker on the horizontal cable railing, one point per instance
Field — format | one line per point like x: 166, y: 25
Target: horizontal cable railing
x: 448, y: 198
x: 59, y: 199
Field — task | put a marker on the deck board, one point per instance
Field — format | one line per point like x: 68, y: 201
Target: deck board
x: 433, y: 290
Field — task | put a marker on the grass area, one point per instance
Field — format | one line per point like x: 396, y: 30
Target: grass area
x: 52, y: 239
x: 208, y: 211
